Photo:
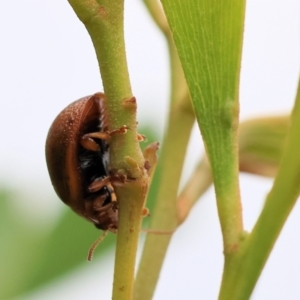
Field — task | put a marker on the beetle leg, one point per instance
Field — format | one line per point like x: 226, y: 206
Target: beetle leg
x: 105, y: 208
x: 88, y: 143
x: 98, y: 202
x: 98, y: 184
x: 112, y: 192
x: 95, y: 208
x: 123, y: 129
x: 97, y: 135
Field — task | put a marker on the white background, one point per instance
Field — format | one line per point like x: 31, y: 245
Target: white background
x: 47, y: 61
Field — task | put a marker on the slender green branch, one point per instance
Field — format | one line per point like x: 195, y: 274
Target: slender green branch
x: 164, y: 217
x: 243, y: 275
x: 103, y: 20
x: 156, y: 12
x: 196, y: 186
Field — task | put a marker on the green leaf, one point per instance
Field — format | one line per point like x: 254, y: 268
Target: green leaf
x: 208, y: 35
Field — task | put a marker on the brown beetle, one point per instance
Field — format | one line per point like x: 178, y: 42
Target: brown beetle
x: 77, y: 160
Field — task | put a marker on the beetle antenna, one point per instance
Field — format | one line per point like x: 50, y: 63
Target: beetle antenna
x: 95, y: 244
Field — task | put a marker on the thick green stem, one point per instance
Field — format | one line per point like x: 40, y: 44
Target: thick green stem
x: 103, y: 20
x: 127, y: 241
x: 247, y: 266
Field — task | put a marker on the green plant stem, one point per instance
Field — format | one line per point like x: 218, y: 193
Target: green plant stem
x: 196, y: 186
x: 103, y: 20
x: 247, y: 266
x: 164, y: 217
x: 158, y: 15
x: 127, y: 241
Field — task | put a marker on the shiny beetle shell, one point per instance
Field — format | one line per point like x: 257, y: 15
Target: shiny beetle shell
x: 74, y: 168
